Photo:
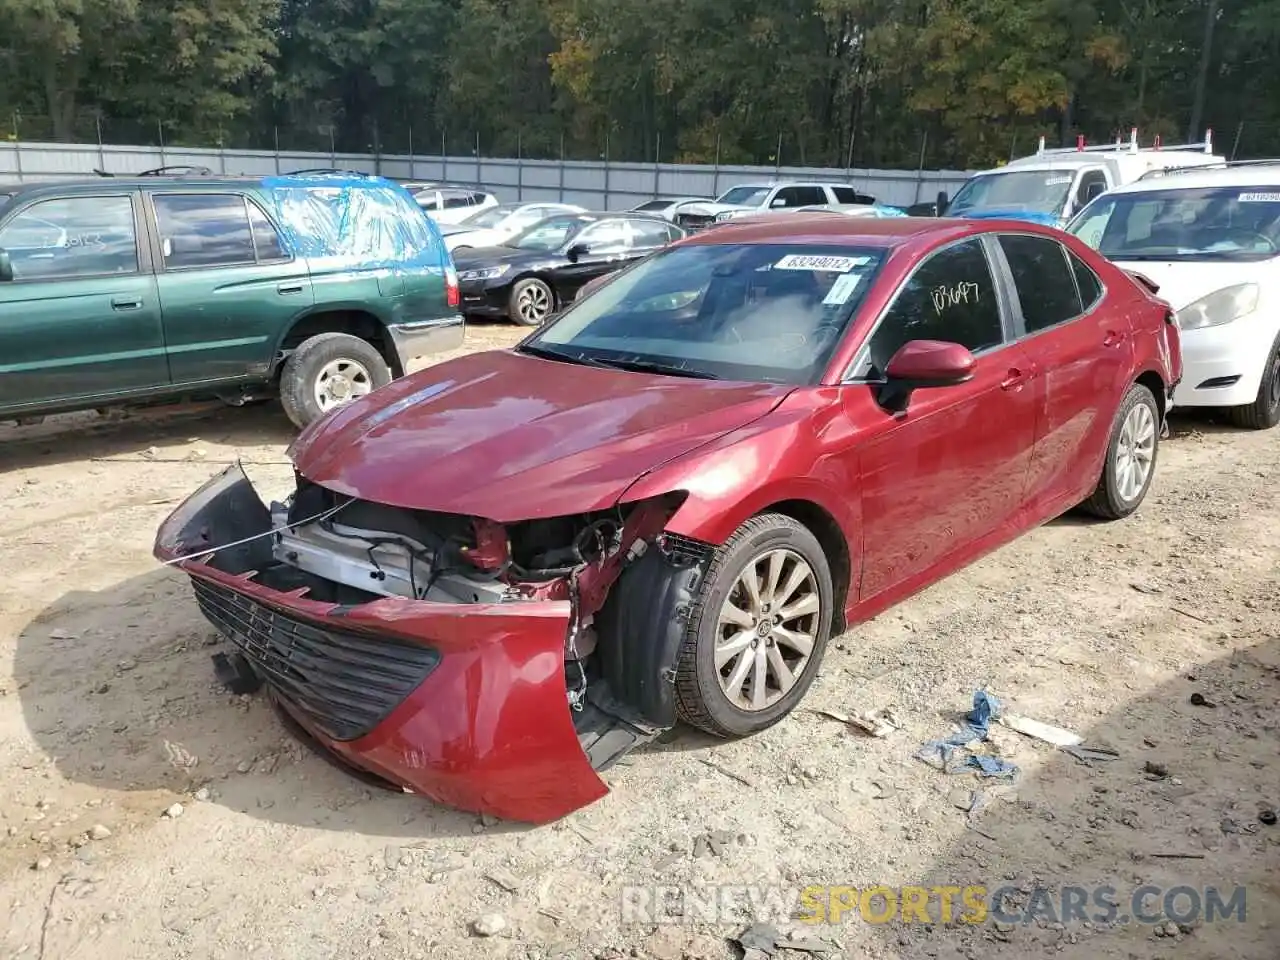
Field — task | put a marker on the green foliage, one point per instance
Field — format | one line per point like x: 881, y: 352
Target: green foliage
x: 834, y: 82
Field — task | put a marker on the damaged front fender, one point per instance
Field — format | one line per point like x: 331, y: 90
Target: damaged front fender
x: 464, y: 703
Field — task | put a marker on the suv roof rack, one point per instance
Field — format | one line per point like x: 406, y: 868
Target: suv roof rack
x: 181, y: 170
x: 1205, y: 146
x: 1223, y: 165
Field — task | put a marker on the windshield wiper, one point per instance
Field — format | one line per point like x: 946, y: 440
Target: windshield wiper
x: 581, y: 358
x: 641, y: 365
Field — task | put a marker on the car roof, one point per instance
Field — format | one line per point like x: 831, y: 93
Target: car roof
x: 822, y: 227
x: 1195, y: 178
x: 91, y: 185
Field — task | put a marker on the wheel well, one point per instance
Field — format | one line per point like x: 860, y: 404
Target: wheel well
x: 829, y: 535
x: 1152, y: 381
x: 357, y: 323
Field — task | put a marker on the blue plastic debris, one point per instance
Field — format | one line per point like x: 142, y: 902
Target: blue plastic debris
x: 977, y: 726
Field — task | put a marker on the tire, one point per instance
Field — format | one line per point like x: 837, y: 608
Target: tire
x: 701, y: 697
x: 1264, y: 412
x: 328, y: 357
x: 1111, y: 501
x: 536, y: 292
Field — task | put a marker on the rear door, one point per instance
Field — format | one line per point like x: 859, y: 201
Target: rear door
x: 229, y: 286
x: 81, y: 318
x: 1084, y: 351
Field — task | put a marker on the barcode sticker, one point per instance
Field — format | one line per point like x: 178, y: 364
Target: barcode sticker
x: 842, y: 289
x: 796, y: 261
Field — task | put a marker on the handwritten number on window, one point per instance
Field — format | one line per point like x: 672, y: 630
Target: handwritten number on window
x: 950, y: 296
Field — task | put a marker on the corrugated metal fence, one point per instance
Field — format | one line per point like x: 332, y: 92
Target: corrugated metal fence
x: 597, y: 185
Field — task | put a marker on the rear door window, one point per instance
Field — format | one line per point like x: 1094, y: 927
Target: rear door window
x: 799, y: 197
x: 1043, y: 279
x: 650, y: 233
x: 850, y: 195
x: 203, y: 230
x: 1087, y: 282
x: 266, y: 241
x: 951, y: 296
x: 72, y: 237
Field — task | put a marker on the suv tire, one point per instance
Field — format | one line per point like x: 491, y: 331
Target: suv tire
x: 328, y: 371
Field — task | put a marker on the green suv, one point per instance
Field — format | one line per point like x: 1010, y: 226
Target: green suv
x: 317, y: 289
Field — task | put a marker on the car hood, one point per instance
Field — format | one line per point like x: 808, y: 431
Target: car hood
x: 1013, y: 213
x: 1183, y: 282
x: 510, y: 437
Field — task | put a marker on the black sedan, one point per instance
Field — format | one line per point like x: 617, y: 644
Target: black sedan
x: 542, y: 269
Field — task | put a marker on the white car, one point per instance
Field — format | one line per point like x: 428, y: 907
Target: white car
x: 667, y: 207
x: 1210, y: 240
x: 747, y: 198
x: 449, y: 204
x: 494, y: 226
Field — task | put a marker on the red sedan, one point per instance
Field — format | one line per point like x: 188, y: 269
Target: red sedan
x: 500, y: 574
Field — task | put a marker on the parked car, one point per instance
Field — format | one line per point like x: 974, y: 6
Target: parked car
x: 449, y: 204
x: 1209, y: 240
x: 315, y: 289
x: 494, y: 226
x: 666, y: 207
x: 1051, y: 185
x: 747, y: 198
x: 541, y: 269
x: 497, y: 576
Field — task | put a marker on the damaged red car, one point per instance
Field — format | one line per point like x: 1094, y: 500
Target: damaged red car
x: 497, y: 576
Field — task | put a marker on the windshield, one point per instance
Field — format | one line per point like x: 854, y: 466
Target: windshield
x: 1212, y: 223
x: 550, y: 234
x: 768, y: 312
x: 744, y: 196
x: 1043, y: 191
x: 490, y: 217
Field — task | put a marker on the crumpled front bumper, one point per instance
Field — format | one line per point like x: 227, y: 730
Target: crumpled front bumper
x: 487, y: 729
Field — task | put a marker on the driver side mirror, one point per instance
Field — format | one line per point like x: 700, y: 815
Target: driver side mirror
x: 921, y: 364
x: 940, y: 203
x: 6, y: 267
x: 578, y: 251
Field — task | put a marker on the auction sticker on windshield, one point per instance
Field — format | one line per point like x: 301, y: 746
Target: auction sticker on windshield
x: 842, y: 289
x: 1259, y: 198
x: 1057, y: 181
x: 797, y: 261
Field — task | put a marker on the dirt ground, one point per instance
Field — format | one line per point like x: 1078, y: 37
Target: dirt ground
x: 109, y: 715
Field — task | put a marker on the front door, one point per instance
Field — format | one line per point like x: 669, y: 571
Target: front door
x: 229, y: 288
x: 81, y: 317
x: 609, y: 246
x: 952, y: 468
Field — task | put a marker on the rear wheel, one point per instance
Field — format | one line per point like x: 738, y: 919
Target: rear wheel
x: 1264, y: 412
x: 532, y: 302
x: 1131, y: 457
x: 758, y: 630
x: 328, y: 371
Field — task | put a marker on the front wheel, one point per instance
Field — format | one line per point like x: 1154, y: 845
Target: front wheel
x: 758, y: 630
x: 328, y: 371
x: 1131, y: 457
x: 1264, y: 412
x: 532, y: 302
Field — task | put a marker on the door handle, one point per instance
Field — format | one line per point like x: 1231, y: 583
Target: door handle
x: 1113, y: 338
x: 124, y: 303
x: 288, y: 288
x: 1015, y: 379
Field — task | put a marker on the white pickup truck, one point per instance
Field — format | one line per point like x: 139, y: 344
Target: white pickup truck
x: 1051, y: 186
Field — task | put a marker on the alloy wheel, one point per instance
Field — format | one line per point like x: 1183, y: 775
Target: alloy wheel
x: 1135, y: 451
x: 534, y: 303
x: 767, y: 629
